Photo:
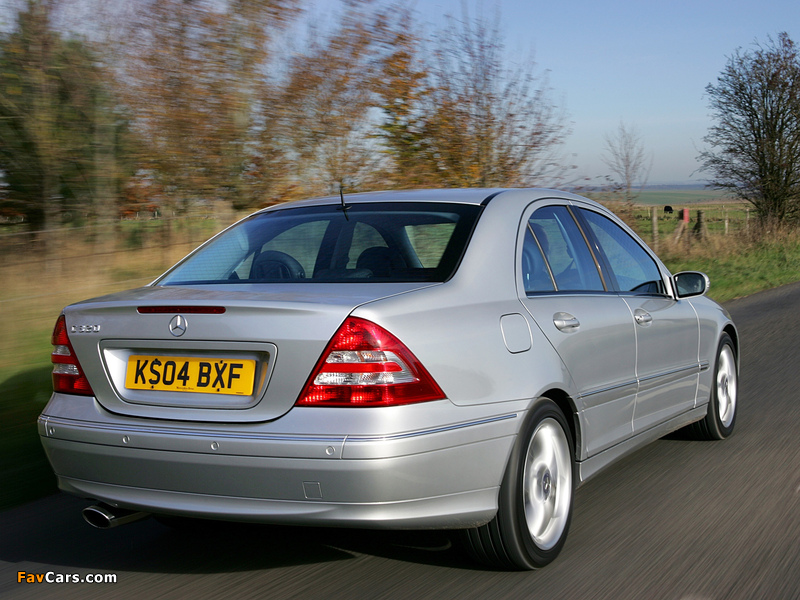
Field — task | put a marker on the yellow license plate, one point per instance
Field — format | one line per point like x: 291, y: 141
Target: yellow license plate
x: 190, y: 374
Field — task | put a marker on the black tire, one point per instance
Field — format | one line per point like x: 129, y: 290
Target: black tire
x: 723, y: 400
x: 535, y: 501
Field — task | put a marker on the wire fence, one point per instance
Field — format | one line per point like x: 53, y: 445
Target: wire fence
x: 678, y: 230
x: 44, y: 271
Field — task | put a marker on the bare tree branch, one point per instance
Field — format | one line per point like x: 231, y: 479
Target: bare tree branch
x: 625, y: 155
x: 755, y: 143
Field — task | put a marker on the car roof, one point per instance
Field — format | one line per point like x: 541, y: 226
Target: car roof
x: 474, y: 196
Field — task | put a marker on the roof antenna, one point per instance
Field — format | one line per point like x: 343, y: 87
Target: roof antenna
x: 344, y: 208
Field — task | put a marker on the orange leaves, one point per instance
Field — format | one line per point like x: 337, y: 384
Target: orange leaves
x: 195, y: 80
x: 224, y: 112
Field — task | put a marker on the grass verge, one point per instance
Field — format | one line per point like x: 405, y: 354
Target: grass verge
x: 739, y: 264
x: 36, y: 286
x: 734, y: 275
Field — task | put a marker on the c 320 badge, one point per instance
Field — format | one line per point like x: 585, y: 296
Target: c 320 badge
x: 84, y: 329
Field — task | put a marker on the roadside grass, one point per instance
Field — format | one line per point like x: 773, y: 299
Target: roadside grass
x: 672, y: 197
x: 739, y: 256
x: 35, y: 288
x: 734, y: 274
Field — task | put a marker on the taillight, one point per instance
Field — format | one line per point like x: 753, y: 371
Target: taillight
x: 68, y: 377
x: 365, y: 365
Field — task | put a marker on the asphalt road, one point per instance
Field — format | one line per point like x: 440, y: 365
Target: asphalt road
x: 678, y: 519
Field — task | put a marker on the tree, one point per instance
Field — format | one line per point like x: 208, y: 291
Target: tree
x: 325, y: 106
x: 624, y: 154
x: 402, y: 87
x: 755, y: 144
x: 478, y: 120
x: 195, y: 81
x: 51, y: 93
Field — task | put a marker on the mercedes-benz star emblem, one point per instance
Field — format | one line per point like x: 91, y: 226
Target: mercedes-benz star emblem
x: 177, y: 326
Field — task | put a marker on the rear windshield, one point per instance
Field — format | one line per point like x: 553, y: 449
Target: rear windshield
x: 367, y: 242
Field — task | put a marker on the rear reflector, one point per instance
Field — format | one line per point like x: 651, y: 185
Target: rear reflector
x: 365, y: 365
x: 68, y: 378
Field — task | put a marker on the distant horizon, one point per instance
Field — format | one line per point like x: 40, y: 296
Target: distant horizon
x: 686, y: 185
x: 647, y: 64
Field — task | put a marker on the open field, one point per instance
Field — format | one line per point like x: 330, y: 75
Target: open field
x: 41, y: 276
x: 729, y: 246
x: 677, y: 197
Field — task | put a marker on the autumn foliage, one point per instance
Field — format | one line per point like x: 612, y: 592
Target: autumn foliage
x: 244, y: 103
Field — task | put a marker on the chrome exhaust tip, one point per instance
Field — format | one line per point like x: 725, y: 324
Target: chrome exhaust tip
x: 104, y: 516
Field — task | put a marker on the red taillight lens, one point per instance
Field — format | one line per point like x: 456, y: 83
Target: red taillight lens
x: 68, y: 377
x: 365, y: 365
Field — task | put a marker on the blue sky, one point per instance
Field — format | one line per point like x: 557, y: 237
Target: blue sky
x: 646, y: 63
x: 643, y: 62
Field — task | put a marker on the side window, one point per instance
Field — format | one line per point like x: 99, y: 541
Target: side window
x: 633, y: 268
x: 571, y: 263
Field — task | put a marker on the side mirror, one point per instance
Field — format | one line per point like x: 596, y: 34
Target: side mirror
x: 690, y: 283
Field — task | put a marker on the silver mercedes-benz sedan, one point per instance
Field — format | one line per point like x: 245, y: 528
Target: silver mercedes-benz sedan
x: 458, y: 359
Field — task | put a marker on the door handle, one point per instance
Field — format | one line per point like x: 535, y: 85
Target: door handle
x: 565, y: 322
x: 642, y: 317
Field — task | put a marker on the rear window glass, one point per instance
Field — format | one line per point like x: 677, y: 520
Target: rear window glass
x: 371, y: 242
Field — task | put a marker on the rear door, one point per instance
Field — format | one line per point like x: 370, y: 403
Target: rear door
x: 589, y: 326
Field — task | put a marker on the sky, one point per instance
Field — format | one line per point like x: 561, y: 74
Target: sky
x: 646, y: 63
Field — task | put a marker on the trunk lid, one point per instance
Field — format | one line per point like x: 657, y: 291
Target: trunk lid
x: 223, y: 353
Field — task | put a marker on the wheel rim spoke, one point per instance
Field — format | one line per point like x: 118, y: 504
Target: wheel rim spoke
x: 726, y: 390
x: 548, y: 484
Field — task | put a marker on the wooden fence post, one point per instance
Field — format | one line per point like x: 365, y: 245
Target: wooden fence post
x: 683, y: 225
x: 700, y: 227
x: 654, y: 222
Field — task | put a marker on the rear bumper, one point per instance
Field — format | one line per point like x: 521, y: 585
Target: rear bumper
x: 443, y: 476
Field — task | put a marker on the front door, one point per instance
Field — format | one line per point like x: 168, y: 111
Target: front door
x: 667, y: 330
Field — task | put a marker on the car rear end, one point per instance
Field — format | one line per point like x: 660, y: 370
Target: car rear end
x: 244, y: 385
